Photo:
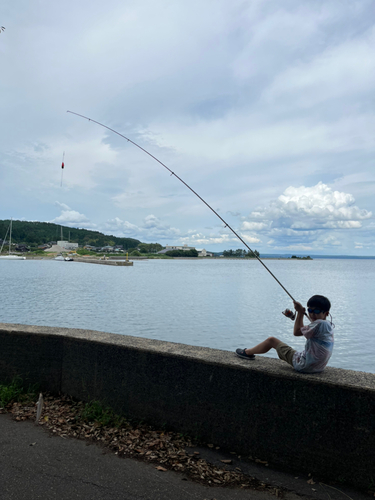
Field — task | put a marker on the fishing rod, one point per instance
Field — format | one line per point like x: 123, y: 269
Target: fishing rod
x: 196, y: 194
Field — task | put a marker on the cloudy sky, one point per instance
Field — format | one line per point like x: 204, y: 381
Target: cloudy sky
x: 265, y: 108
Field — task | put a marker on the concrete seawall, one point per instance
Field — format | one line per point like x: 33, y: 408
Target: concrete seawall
x: 323, y: 424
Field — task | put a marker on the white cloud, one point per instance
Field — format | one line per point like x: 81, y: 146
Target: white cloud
x: 348, y: 224
x: 250, y: 239
x: 119, y: 225
x: 314, y: 205
x: 330, y: 240
x: 201, y: 239
x: 253, y: 226
x: 227, y: 239
x: 297, y: 247
x: 72, y: 218
x: 151, y: 222
x: 63, y: 206
x: 151, y: 228
x: 307, y: 217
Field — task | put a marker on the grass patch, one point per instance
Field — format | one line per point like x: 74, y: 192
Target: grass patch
x: 95, y: 412
x: 16, y: 391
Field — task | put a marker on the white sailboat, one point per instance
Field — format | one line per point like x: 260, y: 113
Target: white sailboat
x: 10, y: 256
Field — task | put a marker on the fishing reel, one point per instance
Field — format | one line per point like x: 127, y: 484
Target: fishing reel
x: 289, y: 314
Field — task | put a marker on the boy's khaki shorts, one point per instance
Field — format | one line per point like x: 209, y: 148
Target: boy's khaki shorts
x: 285, y: 352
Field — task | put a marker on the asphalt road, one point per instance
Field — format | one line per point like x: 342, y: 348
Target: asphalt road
x: 35, y: 465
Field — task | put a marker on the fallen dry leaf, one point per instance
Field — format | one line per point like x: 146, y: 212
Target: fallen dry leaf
x: 62, y: 416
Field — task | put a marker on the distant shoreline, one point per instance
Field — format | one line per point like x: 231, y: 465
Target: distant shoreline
x: 275, y: 257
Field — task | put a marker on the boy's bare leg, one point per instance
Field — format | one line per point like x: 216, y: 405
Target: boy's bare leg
x: 263, y: 347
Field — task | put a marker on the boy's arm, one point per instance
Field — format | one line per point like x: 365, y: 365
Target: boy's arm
x: 298, y: 324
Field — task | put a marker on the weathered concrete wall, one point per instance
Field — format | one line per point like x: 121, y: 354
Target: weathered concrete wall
x: 323, y: 424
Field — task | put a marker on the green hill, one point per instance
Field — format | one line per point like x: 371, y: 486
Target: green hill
x: 38, y: 233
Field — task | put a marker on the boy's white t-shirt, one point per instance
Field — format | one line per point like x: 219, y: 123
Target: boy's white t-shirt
x: 318, y: 347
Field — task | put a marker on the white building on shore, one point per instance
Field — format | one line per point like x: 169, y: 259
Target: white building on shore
x: 67, y: 245
x: 204, y: 253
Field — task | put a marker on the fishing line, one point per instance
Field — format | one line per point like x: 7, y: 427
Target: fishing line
x: 192, y: 190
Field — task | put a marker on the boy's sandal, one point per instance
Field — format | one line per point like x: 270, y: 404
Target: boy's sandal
x: 241, y: 353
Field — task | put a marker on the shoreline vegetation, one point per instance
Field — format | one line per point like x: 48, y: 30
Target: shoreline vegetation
x: 165, y: 449
x: 34, y: 239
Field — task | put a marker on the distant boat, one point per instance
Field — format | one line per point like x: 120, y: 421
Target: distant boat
x: 10, y: 256
x: 61, y: 257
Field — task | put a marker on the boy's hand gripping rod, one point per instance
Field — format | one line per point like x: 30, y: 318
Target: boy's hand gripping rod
x: 192, y: 190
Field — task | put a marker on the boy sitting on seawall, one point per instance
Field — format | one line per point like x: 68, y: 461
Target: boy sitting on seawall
x: 319, y: 339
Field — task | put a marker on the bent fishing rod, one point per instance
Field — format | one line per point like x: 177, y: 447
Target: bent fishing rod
x: 192, y: 190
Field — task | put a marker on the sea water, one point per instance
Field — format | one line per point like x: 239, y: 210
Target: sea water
x: 218, y: 303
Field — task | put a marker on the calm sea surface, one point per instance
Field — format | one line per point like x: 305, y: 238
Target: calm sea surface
x: 222, y: 304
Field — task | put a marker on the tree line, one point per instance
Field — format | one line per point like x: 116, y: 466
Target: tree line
x: 239, y: 253
x: 182, y: 253
x: 37, y: 233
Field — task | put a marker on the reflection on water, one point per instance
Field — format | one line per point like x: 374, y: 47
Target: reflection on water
x: 222, y: 304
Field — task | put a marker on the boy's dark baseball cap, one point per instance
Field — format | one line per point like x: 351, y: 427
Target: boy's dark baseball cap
x: 319, y: 302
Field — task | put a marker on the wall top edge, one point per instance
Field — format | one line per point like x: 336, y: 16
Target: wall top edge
x: 263, y: 364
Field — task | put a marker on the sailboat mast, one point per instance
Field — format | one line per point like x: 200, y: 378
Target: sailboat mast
x: 10, y: 235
